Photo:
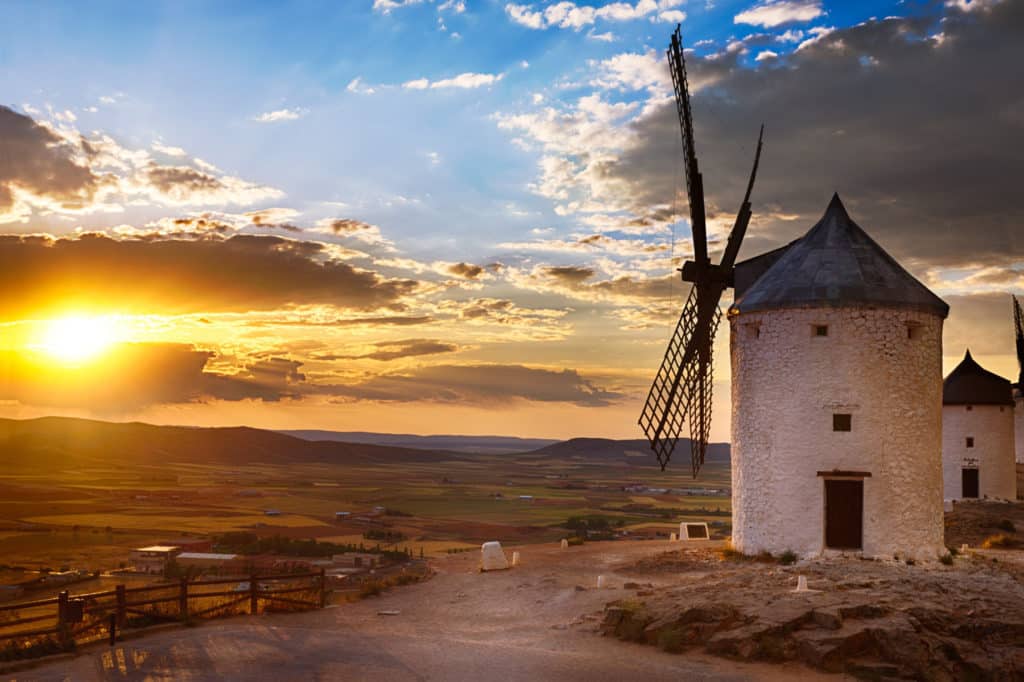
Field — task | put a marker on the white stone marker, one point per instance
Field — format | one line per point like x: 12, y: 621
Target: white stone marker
x: 565, y: 544
x: 672, y: 537
x: 515, y: 558
x: 600, y: 582
x: 492, y: 557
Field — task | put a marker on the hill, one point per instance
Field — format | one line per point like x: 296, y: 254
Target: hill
x: 59, y: 441
x: 494, y: 445
x: 637, y: 451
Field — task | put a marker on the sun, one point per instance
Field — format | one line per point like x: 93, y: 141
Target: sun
x: 76, y: 339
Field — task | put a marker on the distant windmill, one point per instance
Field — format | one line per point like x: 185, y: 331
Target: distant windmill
x: 1018, y: 323
x: 681, y: 392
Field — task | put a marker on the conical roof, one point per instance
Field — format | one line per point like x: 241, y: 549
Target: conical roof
x: 835, y: 264
x: 972, y: 384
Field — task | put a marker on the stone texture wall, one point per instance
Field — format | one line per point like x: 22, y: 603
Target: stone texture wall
x: 1019, y: 419
x: 786, y: 386
x: 992, y: 427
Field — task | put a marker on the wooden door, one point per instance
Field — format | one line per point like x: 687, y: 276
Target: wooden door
x: 844, y: 514
x: 970, y: 482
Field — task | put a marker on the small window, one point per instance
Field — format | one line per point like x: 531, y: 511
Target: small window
x: 970, y: 441
x: 842, y: 422
x: 970, y: 407
x: 914, y: 330
x: 821, y: 330
x: 755, y: 329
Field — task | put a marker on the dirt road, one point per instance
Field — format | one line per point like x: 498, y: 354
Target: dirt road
x: 527, y: 623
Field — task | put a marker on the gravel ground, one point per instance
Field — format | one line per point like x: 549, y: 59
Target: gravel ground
x: 538, y: 621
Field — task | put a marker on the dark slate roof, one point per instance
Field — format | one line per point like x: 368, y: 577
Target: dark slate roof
x: 972, y: 384
x: 835, y: 264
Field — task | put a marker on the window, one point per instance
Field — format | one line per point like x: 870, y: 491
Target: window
x: 842, y: 422
x: 821, y: 330
x: 970, y: 441
x: 913, y: 330
x: 970, y: 407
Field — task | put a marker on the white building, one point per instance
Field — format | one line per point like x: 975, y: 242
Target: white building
x: 153, y: 559
x: 977, y: 434
x: 836, y: 400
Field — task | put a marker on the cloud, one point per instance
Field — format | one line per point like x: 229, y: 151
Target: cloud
x: 40, y: 166
x: 464, y: 81
x: 466, y: 271
x: 94, y: 273
x: 168, y: 149
x: 396, y: 350
x: 929, y: 175
x: 357, y: 86
x: 772, y: 13
x: 356, y: 229
x: 280, y: 115
x: 130, y: 376
x: 385, y: 6
x: 570, y: 15
x: 481, y: 385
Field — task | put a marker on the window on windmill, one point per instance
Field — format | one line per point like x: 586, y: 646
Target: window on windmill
x: 914, y: 330
x: 842, y: 422
x: 970, y: 441
x: 820, y: 330
x: 970, y: 407
x: 755, y: 330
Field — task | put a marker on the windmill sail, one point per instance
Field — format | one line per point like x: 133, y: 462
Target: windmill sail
x: 681, y: 394
x: 1018, y: 323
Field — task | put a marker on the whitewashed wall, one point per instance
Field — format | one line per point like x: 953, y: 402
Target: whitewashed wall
x: 991, y: 426
x: 786, y: 385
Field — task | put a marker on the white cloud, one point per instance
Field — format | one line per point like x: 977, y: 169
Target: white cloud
x: 674, y: 16
x: 168, y: 149
x: 385, y: 6
x: 359, y: 87
x: 568, y: 14
x: 771, y: 13
x: 280, y: 115
x: 466, y: 80
x: 766, y: 55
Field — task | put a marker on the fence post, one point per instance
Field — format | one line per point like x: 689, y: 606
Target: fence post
x: 122, y: 604
x: 253, y: 595
x: 113, y: 629
x: 183, y: 600
x: 62, y: 608
x: 323, y: 588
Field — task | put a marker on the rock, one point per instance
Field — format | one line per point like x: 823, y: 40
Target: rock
x: 631, y: 586
x: 829, y: 619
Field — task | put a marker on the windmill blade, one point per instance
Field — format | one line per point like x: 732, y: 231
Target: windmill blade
x: 1018, y: 323
x: 694, y: 181
x: 739, y: 228
x: 681, y: 392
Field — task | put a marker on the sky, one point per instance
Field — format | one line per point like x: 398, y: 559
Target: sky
x: 444, y: 216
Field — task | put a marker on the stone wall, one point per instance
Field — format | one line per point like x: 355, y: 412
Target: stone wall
x: 786, y: 385
x: 991, y: 427
x: 1019, y: 419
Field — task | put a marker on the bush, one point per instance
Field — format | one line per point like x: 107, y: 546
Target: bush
x: 671, y: 640
x: 787, y: 558
x: 576, y: 540
x: 947, y: 559
x: 1007, y: 525
x: 998, y: 541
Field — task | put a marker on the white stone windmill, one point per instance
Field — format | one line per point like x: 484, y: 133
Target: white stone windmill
x: 977, y: 434
x: 836, y: 385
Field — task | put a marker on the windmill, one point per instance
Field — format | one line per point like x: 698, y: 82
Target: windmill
x: 1018, y: 324
x: 681, y: 392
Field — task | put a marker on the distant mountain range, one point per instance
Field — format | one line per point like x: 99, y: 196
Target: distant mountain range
x: 479, y: 444
x: 63, y: 441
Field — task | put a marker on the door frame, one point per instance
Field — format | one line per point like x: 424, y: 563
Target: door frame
x: 842, y: 475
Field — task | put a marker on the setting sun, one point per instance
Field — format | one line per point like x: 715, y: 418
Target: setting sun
x: 75, y: 339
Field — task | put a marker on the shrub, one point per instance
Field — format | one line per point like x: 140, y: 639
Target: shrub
x: 1007, y: 525
x: 947, y: 559
x: 998, y: 541
x: 787, y: 558
x: 671, y: 640
x: 576, y: 540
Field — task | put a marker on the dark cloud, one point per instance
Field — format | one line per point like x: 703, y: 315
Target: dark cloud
x: 35, y: 160
x: 182, y: 181
x: 922, y: 136
x: 569, y: 274
x: 345, y: 226
x: 244, y: 272
x: 132, y: 376
x: 395, y: 350
x: 466, y: 271
x: 486, y: 308
x: 481, y: 385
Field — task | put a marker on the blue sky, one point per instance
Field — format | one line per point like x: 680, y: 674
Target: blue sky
x: 466, y: 215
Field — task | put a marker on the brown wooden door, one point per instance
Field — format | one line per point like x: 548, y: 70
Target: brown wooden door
x: 969, y: 482
x: 844, y: 514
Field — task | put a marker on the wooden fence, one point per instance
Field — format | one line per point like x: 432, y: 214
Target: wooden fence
x: 36, y: 628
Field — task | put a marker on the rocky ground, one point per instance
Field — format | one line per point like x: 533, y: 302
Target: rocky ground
x: 871, y: 619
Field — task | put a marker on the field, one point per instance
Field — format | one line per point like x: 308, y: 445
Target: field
x: 91, y: 513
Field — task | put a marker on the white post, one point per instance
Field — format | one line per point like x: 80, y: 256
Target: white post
x: 565, y: 544
x: 515, y: 558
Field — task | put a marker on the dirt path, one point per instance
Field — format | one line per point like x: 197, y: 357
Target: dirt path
x: 528, y: 623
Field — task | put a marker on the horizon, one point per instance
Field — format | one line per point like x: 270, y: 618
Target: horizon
x: 464, y: 218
